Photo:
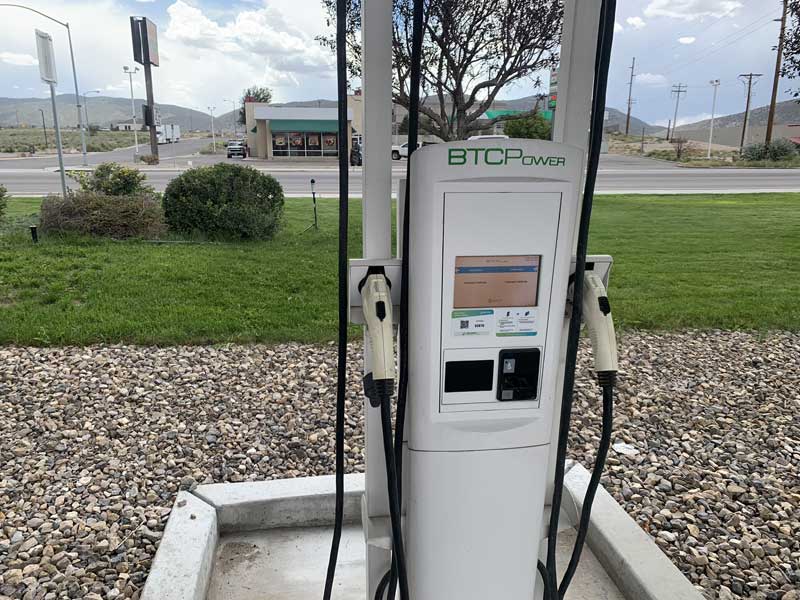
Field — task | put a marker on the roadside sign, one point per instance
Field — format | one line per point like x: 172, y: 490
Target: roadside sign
x: 144, y: 35
x: 47, y: 60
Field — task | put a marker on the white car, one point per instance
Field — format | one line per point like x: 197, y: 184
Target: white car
x: 401, y: 151
x: 496, y: 136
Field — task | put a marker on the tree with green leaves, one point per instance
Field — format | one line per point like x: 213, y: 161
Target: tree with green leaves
x: 255, y: 93
x: 471, y: 51
x: 791, y: 49
x: 533, y: 127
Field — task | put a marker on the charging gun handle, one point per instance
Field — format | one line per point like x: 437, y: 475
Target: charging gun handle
x: 600, y: 323
x: 377, y: 306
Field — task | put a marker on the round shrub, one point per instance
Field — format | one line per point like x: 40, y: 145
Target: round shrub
x: 224, y: 201
x: 781, y: 149
x: 757, y: 151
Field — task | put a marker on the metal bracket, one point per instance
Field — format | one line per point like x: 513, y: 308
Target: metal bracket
x: 596, y: 263
x: 356, y: 274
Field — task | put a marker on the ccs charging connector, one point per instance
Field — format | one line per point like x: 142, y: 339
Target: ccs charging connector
x: 376, y: 295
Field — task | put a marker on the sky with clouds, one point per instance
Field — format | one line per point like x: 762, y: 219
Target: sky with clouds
x: 212, y: 49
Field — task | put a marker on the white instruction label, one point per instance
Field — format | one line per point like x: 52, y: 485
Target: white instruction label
x: 472, y: 322
x: 515, y: 321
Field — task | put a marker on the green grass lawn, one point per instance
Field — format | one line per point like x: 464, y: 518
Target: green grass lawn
x: 708, y: 261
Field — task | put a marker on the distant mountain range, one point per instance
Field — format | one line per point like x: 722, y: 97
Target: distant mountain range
x: 786, y: 113
x: 105, y: 111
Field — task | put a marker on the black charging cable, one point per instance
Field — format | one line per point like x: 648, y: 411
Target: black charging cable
x: 341, y: 367
x: 603, y: 55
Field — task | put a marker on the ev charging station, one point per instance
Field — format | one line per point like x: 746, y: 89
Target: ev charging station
x: 488, y: 260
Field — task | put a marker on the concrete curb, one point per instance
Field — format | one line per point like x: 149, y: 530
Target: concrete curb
x: 306, y: 501
x: 182, y: 567
x: 638, y: 567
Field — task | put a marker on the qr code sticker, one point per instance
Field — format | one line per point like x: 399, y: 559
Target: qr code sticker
x: 464, y: 324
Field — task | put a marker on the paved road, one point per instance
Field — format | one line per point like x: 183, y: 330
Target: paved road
x: 618, y: 174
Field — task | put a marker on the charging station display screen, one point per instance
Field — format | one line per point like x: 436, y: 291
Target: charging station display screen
x: 504, y: 281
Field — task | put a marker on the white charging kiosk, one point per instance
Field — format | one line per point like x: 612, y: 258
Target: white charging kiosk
x: 491, y: 241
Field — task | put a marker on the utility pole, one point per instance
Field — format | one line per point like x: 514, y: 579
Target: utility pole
x: 715, y: 84
x: 677, y: 90
x: 778, y: 60
x: 669, y: 127
x: 44, y: 128
x: 749, y: 78
x: 130, y: 72
x: 630, y: 98
x: 642, y: 149
x: 213, y: 135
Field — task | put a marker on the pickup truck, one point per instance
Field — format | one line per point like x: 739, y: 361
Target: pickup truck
x: 401, y: 151
x: 236, y: 148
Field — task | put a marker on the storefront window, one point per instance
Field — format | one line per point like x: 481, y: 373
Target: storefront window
x: 330, y: 147
x: 299, y: 143
x: 280, y: 144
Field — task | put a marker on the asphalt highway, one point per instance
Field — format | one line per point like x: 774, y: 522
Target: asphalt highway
x: 618, y: 174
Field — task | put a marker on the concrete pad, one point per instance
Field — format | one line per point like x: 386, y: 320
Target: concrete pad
x: 290, y: 564
x: 306, y: 501
x: 182, y: 567
x: 628, y: 554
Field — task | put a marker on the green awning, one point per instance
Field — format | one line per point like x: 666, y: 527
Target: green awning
x: 313, y: 125
x: 493, y: 114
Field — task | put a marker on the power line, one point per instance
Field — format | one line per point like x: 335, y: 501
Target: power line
x: 731, y: 38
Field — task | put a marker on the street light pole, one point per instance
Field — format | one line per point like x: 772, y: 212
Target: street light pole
x: 86, y: 106
x: 44, y: 128
x: 74, y: 70
x: 715, y: 83
x: 233, y: 114
x: 130, y: 73
x: 213, y: 135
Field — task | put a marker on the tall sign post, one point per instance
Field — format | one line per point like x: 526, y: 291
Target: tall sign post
x: 47, y: 71
x: 145, y: 52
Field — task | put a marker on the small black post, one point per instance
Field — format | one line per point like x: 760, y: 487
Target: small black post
x: 642, y: 151
x: 315, y: 224
x: 34, y: 234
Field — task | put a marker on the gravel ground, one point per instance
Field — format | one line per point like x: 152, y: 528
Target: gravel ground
x: 95, y: 442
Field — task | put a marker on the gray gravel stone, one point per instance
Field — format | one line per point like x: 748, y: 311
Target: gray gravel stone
x: 96, y: 442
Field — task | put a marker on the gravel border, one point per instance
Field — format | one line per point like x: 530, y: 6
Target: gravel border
x: 97, y: 442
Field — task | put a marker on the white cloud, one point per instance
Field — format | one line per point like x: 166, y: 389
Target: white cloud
x: 687, y: 40
x: 691, y: 10
x: 636, y: 22
x: 618, y: 28
x: 19, y: 60
x: 262, y: 37
x: 651, y: 79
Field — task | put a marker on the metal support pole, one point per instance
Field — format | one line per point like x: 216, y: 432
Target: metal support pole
x: 376, y: 36
x: 148, y: 80
x: 77, y: 97
x: 58, y: 142
x: 44, y: 128
x: 715, y: 83
x: 130, y: 73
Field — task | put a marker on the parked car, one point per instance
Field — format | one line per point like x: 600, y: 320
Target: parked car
x: 494, y: 136
x: 401, y: 151
x: 236, y: 148
x: 356, y: 158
